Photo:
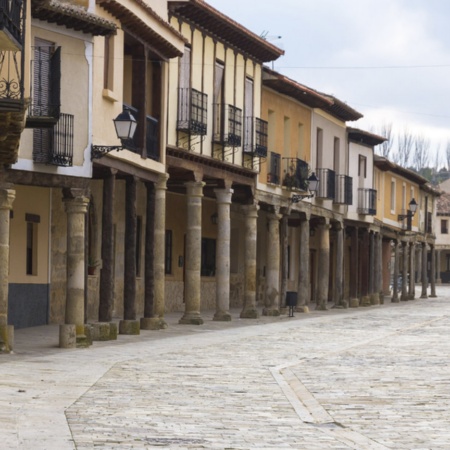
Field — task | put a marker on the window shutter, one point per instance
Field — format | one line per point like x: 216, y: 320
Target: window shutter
x: 55, y: 83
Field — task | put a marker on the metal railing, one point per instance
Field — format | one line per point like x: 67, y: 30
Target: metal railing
x: 61, y: 150
x: 344, y: 190
x: 227, y: 125
x: 11, y: 76
x: 192, y: 111
x: 11, y: 14
x: 255, y: 141
x: 296, y: 173
x: 274, y: 174
x: 367, y: 201
x: 327, y: 183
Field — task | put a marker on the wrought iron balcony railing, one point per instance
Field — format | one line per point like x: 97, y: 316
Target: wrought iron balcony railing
x: 227, y: 125
x: 11, y: 28
x: 152, y: 137
x: 327, y: 183
x: 296, y: 173
x: 255, y: 142
x: 11, y: 80
x: 274, y: 175
x: 344, y: 190
x: 192, y: 111
x: 55, y: 145
x: 367, y: 201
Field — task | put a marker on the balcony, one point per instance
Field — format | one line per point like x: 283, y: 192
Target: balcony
x: 367, y: 201
x: 327, y: 184
x: 274, y: 175
x: 11, y: 15
x: 344, y: 190
x: 227, y: 125
x: 255, y: 142
x: 296, y: 174
x: 192, y: 112
x: 151, y: 136
x: 55, y: 145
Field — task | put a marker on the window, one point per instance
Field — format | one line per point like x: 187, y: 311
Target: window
x: 108, y: 79
x: 275, y: 168
x: 32, y: 241
x: 362, y: 166
x: 319, y: 147
x: 444, y: 226
x: 404, y: 197
x: 168, y: 253
x: 392, y: 195
x: 336, y: 154
x: 208, y: 268
x: 287, y: 137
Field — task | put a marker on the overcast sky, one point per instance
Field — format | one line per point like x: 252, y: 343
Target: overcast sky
x: 388, y: 59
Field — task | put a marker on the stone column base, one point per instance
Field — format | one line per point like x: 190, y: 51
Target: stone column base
x: 222, y: 317
x: 424, y: 296
x: 365, y: 301
x: 374, y: 299
x: 6, y: 338
x: 381, y: 298
x: 101, y: 331
x: 113, y: 331
x: 251, y: 313
x: 191, y: 319
x: 354, y: 303
x: 302, y: 309
x: 433, y: 296
x: 67, y: 336
x: 153, y: 323
x: 271, y: 312
x: 130, y: 327
x: 321, y: 307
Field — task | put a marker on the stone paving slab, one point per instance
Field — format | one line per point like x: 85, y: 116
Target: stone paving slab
x: 371, y: 378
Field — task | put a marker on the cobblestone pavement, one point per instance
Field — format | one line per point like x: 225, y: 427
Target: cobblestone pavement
x: 371, y: 378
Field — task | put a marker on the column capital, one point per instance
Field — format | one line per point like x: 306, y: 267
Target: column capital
x: 76, y: 205
x: 7, y: 197
x: 250, y: 210
x: 223, y: 196
x: 161, y: 184
x: 195, y: 188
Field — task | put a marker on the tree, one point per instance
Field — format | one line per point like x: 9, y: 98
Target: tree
x: 405, y: 145
x: 385, y: 148
x: 421, y: 154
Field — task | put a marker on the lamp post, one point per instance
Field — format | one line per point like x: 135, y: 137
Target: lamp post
x: 409, y: 214
x: 125, y: 125
x: 313, y: 184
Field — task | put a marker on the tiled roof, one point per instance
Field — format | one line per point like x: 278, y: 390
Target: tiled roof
x: 205, y: 17
x: 72, y: 16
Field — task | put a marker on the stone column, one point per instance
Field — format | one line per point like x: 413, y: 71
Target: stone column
x: 272, y: 300
x: 106, y: 304
x: 419, y: 264
x: 130, y: 324
x: 324, y: 265
x: 433, y: 271
x: 284, y: 226
x: 76, y: 206
x: 249, y: 310
x: 395, y: 298
x: 375, y: 297
x: 339, y: 275
x: 404, y: 295
x: 373, y: 292
x: 303, y: 287
x: 365, y: 268
x: 192, y: 284
x: 155, y: 256
x: 223, y: 255
x: 424, y: 276
x: 354, y: 270
x: 412, y: 284
x: 438, y: 267
x: 7, y: 197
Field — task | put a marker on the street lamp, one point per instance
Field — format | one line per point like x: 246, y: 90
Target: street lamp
x: 313, y: 184
x: 125, y: 125
x: 409, y: 214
